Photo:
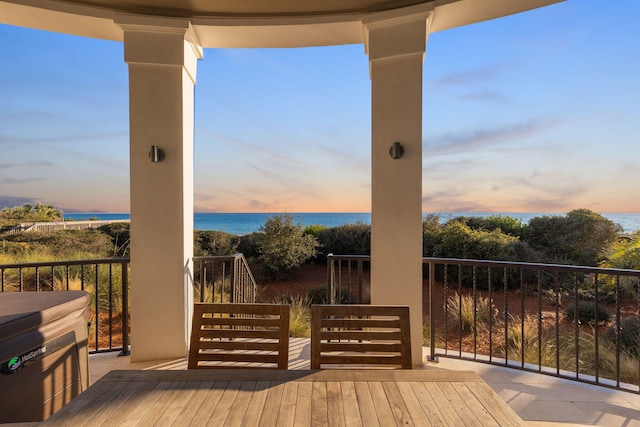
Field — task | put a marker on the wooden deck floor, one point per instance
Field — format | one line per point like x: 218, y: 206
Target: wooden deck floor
x: 248, y: 397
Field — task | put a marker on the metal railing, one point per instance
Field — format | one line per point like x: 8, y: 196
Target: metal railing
x: 216, y: 278
x: 223, y: 279
x: 578, y: 323
x: 345, y: 286
x: 103, y: 279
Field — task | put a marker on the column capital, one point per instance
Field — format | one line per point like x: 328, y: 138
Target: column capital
x: 160, y: 41
x: 397, y: 32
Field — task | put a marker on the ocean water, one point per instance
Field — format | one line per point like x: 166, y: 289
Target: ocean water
x: 245, y: 223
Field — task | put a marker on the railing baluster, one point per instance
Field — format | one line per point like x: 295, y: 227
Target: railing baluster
x: 576, y: 325
x: 539, y: 292
x: 97, y: 318
x: 596, y: 322
x: 490, y: 286
x: 125, y: 308
x: 522, y: 318
x: 616, y: 332
x: 110, y: 306
x: 460, y: 310
x: 432, y: 331
x: 556, y: 281
x: 506, y: 315
x: 360, y: 283
x: 475, y: 312
x: 638, y: 332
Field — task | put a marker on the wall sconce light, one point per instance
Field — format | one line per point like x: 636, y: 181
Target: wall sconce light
x: 396, y: 151
x: 156, y: 154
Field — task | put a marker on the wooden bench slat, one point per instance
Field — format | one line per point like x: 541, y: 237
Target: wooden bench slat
x: 239, y: 333
x: 239, y: 345
x: 358, y: 359
x: 350, y: 346
x: 237, y: 308
x: 257, y: 322
x: 374, y: 335
x: 337, y: 335
x: 227, y: 337
x: 356, y: 323
x: 233, y: 357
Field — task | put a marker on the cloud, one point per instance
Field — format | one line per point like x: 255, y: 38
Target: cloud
x: 42, y: 163
x: 484, y: 96
x: 279, y: 155
x: 14, y: 140
x: 11, y: 181
x: 286, y: 181
x: 258, y: 205
x: 432, y: 167
x: 452, y: 143
x: 476, y: 75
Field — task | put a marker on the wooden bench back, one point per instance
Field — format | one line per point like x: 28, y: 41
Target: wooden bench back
x: 360, y: 334
x: 225, y: 334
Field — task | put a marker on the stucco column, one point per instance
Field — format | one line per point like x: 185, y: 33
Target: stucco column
x: 162, y: 57
x: 396, y: 45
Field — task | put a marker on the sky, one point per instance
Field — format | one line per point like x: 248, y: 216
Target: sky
x: 536, y: 112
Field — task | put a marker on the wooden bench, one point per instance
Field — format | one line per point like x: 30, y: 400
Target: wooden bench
x: 360, y: 334
x: 224, y: 335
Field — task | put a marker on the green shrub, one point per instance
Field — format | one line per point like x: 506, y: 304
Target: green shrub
x: 578, y: 238
x: 215, y: 243
x: 314, y: 230
x: 587, y: 311
x: 460, y: 241
x: 623, y: 253
x: 350, y: 239
x: 628, y: 335
x: 506, y: 224
x: 120, y: 233
x: 320, y: 295
x: 61, y: 245
x: 248, y: 245
x: 283, y: 246
x: 431, y: 234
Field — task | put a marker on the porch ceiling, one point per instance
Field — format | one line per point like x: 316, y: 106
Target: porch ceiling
x: 249, y: 23
x: 246, y: 8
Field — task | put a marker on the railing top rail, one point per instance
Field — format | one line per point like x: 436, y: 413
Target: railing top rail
x: 533, y: 266
x: 507, y: 264
x: 63, y: 263
x: 105, y: 261
x: 217, y: 257
x: 349, y: 257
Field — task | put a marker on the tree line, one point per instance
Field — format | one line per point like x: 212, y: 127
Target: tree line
x: 581, y: 237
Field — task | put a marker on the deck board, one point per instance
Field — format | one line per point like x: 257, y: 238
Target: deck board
x: 209, y: 403
x: 201, y: 390
x: 303, y: 404
x: 256, y: 404
x: 351, y: 413
x: 365, y: 403
x: 340, y: 397
x: 429, y: 407
x: 287, y: 412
